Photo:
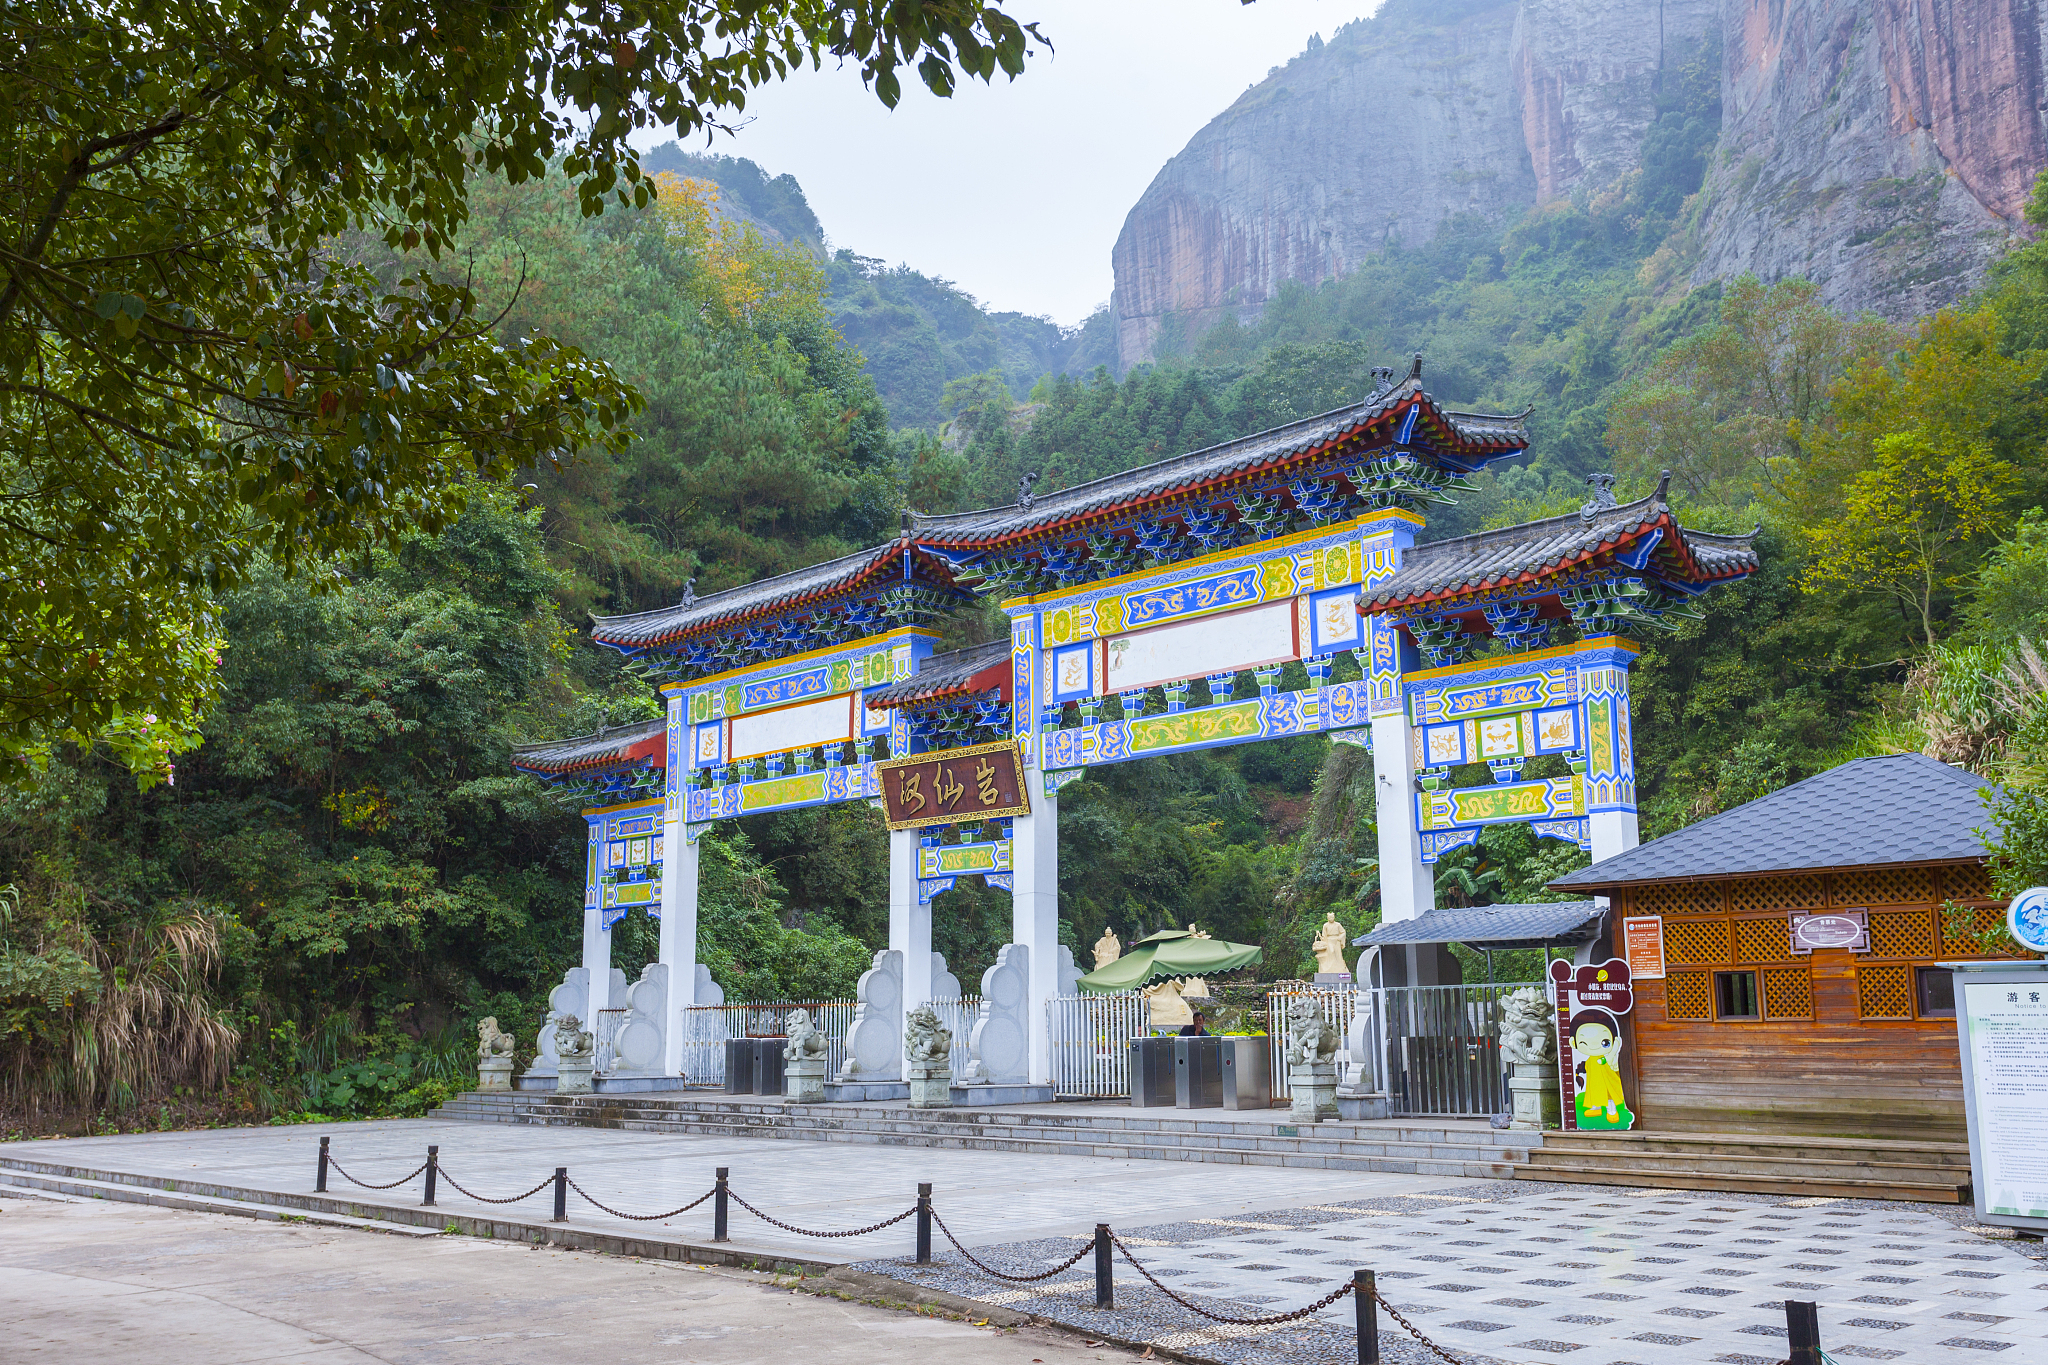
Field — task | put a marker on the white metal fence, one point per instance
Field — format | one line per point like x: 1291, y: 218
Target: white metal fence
x: 1091, y: 1042
x: 605, y: 1051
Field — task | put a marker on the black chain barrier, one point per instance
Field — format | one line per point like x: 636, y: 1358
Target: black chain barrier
x: 640, y: 1217
x: 1275, y: 1319
x: 336, y: 1167
x: 486, y: 1199
x: 987, y: 1269
x: 1412, y: 1330
x: 808, y: 1232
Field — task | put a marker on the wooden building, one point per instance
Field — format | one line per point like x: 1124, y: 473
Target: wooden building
x: 1746, y: 1034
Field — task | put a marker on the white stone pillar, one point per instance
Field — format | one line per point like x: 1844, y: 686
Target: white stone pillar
x: 1035, y: 912
x: 678, y: 938
x: 910, y: 921
x: 597, y: 960
x: 1407, y: 885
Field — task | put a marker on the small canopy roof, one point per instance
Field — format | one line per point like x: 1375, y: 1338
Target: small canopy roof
x: 1170, y: 952
x: 1492, y: 926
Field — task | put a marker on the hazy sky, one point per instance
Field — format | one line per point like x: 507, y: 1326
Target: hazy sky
x: 1017, y: 191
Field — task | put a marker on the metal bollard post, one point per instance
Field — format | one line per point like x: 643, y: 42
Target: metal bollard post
x: 924, y: 1224
x: 320, y: 1180
x: 561, y: 1194
x: 433, y: 1170
x: 718, y: 1209
x: 1365, y: 1293
x: 1105, y: 1283
x: 1802, y: 1329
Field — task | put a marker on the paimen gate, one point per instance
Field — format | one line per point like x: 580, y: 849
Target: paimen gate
x: 1152, y: 612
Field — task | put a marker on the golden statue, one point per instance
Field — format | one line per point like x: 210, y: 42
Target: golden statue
x: 1329, y: 947
x: 1107, y: 949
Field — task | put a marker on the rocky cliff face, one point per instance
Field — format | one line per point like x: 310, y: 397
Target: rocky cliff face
x: 1881, y: 147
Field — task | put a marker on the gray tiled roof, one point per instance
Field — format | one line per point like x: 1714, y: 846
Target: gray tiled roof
x: 940, y: 674
x: 1493, y: 926
x: 646, y: 627
x: 609, y: 745
x: 1201, y: 466
x: 1897, y: 808
x: 1489, y: 558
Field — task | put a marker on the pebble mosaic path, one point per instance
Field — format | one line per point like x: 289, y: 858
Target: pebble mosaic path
x: 1528, y: 1272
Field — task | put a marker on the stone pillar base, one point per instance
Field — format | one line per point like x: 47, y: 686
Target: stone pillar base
x: 574, y: 1076
x: 803, y: 1081
x: 931, y: 1087
x: 494, y: 1074
x: 1536, y: 1102
x: 1315, y: 1092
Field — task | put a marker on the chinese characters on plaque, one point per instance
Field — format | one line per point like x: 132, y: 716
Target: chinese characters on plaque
x: 983, y: 782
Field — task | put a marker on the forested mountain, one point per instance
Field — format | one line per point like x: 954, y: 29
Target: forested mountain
x: 345, y: 875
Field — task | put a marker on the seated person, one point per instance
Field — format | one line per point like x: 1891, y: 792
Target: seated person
x: 1196, y: 1029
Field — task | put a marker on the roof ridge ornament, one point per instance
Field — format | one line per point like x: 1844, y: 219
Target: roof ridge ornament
x: 1383, y: 382
x: 689, y: 594
x: 1663, y: 485
x: 1602, y: 499
x: 1024, y: 498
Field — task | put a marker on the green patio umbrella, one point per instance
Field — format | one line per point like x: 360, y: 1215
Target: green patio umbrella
x: 1170, y: 952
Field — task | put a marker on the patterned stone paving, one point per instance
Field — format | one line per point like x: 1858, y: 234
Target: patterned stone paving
x: 1527, y: 1272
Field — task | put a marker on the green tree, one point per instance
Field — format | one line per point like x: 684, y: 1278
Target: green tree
x: 188, y: 372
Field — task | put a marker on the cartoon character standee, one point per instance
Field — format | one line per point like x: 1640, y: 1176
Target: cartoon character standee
x: 1591, y: 1002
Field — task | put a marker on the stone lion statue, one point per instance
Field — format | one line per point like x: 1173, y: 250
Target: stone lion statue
x: 1310, y: 1038
x: 1526, y: 1036
x: 925, y: 1038
x: 492, y: 1042
x: 806, y: 1043
x: 572, y: 1040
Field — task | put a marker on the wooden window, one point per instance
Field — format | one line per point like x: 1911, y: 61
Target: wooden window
x: 1934, y: 990
x: 1885, y: 989
x: 1901, y: 933
x: 1735, y: 996
x: 1966, y: 883
x: 1763, y: 940
x: 1788, y: 993
x: 1776, y: 893
x: 1703, y: 941
x: 1688, y: 995
x: 1677, y: 899
x: 1883, y: 886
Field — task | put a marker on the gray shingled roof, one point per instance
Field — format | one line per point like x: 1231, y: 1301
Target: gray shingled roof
x: 646, y: 627
x: 1869, y: 812
x: 1493, y: 926
x: 609, y: 745
x: 1489, y: 558
x: 940, y: 674
x: 1202, y: 466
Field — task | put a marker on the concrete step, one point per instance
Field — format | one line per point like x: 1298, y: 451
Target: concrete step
x: 1426, y: 1150
x: 1819, y: 1187
x: 1937, y: 1155
x: 1726, y: 1163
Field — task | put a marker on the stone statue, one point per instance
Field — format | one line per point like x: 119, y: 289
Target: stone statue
x: 804, y: 1059
x: 1526, y: 1035
x: 1164, y: 1008
x: 1528, y: 1040
x: 928, y: 1059
x: 1310, y: 1039
x: 1107, y: 949
x: 493, y: 1056
x: 492, y: 1041
x: 1311, y: 1061
x: 1194, y: 989
x: 1196, y: 933
x: 1024, y: 484
x: 575, y: 1056
x: 1329, y: 948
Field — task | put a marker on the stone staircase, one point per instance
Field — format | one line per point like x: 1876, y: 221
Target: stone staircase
x: 1108, y: 1129
x: 1858, y: 1168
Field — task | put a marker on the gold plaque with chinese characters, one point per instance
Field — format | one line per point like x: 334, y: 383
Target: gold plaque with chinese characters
x: 954, y: 786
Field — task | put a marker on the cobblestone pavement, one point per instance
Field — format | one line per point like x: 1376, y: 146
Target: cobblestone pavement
x: 1521, y: 1271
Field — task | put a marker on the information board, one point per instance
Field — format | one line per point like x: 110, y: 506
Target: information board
x: 1642, y: 945
x: 2002, y: 1017
x: 984, y: 782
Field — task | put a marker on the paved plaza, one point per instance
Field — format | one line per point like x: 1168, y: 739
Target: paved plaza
x: 983, y: 1196
x: 1533, y: 1272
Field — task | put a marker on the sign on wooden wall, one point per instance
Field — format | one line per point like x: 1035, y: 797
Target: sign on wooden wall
x: 1642, y: 943
x: 983, y: 782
